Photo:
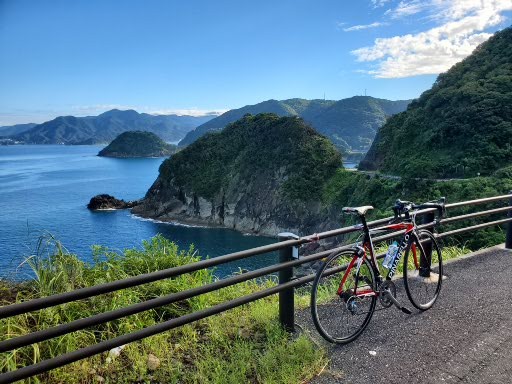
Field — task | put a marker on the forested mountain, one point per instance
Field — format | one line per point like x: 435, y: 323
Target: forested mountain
x: 270, y: 174
x: 11, y: 130
x: 350, y: 123
x: 105, y: 127
x: 280, y: 108
x: 138, y: 144
x: 258, y: 173
x: 461, y: 127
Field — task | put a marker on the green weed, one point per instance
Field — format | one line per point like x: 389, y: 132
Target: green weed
x: 243, y: 345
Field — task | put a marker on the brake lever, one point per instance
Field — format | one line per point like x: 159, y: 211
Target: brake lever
x: 397, y: 216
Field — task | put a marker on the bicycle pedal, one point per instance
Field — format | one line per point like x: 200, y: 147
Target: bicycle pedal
x: 406, y: 310
x: 397, y: 304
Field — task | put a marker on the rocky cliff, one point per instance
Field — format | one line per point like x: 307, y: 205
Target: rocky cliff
x: 262, y: 174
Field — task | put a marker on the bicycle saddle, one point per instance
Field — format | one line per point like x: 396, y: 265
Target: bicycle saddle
x: 357, y: 210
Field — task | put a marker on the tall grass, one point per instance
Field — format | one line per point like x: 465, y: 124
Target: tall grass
x: 245, y: 344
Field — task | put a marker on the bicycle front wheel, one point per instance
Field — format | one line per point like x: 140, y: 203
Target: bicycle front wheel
x: 423, y: 274
x: 343, y: 297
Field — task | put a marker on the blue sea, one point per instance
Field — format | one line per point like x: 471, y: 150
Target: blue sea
x: 44, y: 189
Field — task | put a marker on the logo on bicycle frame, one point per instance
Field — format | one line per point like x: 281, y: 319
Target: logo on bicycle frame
x: 392, y: 271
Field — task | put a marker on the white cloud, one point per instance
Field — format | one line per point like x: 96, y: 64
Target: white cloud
x: 407, y: 8
x: 453, y: 10
x: 82, y: 110
x: 189, y: 112
x: 364, y: 26
x: 379, y: 3
x: 463, y: 28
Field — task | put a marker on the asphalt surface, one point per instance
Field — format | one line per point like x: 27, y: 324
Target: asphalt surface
x: 466, y: 337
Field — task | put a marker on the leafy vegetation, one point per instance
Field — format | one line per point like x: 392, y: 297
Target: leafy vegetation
x: 461, y: 127
x: 138, y: 144
x: 263, y: 146
x: 348, y: 188
x: 283, y: 150
x: 350, y: 123
x: 245, y: 344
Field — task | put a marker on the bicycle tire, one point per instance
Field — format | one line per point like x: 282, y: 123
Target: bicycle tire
x: 423, y: 291
x: 329, y: 309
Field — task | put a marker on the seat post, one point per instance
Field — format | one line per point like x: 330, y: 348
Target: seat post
x: 366, y: 230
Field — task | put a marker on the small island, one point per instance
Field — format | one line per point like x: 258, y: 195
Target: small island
x: 137, y: 144
x: 106, y: 202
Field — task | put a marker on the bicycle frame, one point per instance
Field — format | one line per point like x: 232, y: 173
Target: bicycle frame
x: 409, y: 241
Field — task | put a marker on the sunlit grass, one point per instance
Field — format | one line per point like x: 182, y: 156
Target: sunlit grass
x: 245, y: 344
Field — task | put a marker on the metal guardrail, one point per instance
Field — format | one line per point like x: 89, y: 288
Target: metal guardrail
x: 286, y: 245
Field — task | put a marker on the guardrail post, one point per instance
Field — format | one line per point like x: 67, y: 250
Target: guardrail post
x: 427, y: 246
x: 286, y: 298
x: 508, y: 240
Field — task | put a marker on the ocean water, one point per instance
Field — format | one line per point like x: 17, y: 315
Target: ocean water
x: 45, y: 189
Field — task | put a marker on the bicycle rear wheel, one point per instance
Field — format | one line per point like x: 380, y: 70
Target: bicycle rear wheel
x: 423, y: 277
x: 343, y: 297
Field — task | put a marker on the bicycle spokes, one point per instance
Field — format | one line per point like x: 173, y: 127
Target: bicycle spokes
x: 343, y: 302
x: 423, y: 272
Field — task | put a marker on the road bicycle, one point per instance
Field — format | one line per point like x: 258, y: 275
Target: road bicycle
x: 349, y: 283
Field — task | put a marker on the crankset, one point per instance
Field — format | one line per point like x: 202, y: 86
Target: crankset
x: 387, y: 296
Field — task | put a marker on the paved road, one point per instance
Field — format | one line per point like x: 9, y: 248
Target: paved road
x: 465, y: 338
x: 394, y: 177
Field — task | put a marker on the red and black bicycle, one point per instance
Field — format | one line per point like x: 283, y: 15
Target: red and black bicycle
x: 349, y: 283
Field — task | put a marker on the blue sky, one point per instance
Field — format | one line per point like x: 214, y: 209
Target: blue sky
x: 84, y: 57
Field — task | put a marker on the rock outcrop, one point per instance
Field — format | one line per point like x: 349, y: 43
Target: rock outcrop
x: 262, y: 174
x: 255, y: 208
x: 107, y: 202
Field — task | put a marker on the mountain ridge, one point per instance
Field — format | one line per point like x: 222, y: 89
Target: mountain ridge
x: 350, y: 123
x: 108, y: 125
x: 16, y: 129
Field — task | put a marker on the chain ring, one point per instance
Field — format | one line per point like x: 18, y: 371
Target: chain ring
x: 384, y: 300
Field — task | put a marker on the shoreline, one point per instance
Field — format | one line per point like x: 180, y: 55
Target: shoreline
x: 191, y: 224
x: 195, y: 223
